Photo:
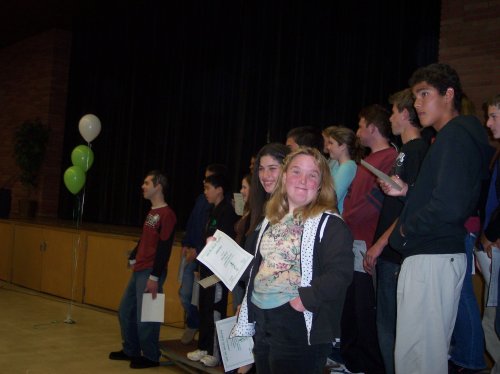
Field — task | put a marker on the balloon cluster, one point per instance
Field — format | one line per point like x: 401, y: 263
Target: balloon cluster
x: 82, y: 156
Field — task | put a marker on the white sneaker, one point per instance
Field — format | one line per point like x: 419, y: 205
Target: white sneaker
x: 210, y: 361
x: 196, y: 355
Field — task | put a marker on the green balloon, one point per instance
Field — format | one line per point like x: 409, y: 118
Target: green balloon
x: 74, y: 179
x: 83, y: 157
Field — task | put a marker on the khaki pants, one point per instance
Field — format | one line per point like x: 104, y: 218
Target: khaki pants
x: 428, y: 292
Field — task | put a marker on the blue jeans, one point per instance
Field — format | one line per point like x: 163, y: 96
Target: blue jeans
x: 139, y: 336
x: 467, y: 341
x: 387, y: 284
x: 186, y: 294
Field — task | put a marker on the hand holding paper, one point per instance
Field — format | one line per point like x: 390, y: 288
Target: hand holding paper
x: 391, y: 186
x: 153, y: 310
x: 227, y: 260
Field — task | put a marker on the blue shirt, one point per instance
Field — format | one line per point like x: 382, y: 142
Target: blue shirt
x: 342, y: 175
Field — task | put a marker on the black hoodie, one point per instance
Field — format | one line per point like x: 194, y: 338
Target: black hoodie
x: 446, y: 191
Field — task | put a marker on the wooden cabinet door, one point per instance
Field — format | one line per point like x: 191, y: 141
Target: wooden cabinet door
x: 27, y: 256
x: 174, y: 313
x: 6, y: 248
x: 107, y: 275
x: 106, y: 272
x: 62, y: 263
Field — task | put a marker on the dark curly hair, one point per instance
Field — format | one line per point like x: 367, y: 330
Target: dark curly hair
x: 441, y: 77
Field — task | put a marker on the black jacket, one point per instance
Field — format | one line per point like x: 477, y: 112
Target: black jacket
x: 446, y: 191
x: 332, y: 270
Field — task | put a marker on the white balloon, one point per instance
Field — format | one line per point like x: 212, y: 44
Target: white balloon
x: 90, y: 127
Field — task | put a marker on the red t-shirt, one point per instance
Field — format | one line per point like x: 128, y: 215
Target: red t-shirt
x: 159, y: 225
x: 364, y: 199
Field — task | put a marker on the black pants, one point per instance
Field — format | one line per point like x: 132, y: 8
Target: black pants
x: 207, y: 306
x: 359, y: 343
x: 281, y: 343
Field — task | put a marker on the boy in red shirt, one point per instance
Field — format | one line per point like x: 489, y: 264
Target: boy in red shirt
x: 149, y: 262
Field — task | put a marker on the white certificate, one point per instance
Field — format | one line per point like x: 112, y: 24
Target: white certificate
x: 209, y: 281
x: 381, y: 175
x: 225, y: 258
x: 195, y: 296
x: 153, y: 310
x: 236, y: 352
x: 359, y: 249
x: 495, y: 268
x: 239, y: 204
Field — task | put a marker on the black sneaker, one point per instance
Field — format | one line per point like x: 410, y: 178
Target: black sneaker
x: 120, y: 355
x: 143, y: 363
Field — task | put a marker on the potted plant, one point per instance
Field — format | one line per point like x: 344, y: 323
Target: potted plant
x: 30, y: 144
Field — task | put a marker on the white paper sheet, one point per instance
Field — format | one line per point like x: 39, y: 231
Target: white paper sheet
x: 381, y: 175
x: 235, y: 352
x: 484, y: 263
x: 209, y: 281
x: 359, y: 249
x: 153, y: 310
x: 195, y: 296
x: 225, y: 258
x: 239, y: 204
x: 495, y: 268
x: 180, y: 272
x: 487, y: 267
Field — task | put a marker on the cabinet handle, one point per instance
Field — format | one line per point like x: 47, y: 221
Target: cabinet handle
x: 43, y: 246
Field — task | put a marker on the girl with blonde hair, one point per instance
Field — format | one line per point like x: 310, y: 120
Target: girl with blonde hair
x: 302, y: 267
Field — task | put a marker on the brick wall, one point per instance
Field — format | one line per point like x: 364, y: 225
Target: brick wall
x: 33, y: 84
x: 470, y: 42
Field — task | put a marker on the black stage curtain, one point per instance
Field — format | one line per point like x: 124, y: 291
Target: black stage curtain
x: 179, y: 85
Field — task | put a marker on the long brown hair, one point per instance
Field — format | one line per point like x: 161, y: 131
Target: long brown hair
x: 326, y: 199
x: 258, y: 196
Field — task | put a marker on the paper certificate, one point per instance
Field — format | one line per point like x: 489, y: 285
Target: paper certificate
x: 495, y: 268
x: 195, y: 296
x: 381, y: 175
x: 235, y: 352
x: 239, y: 204
x: 209, y: 281
x: 153, y: 310
x: 225, y: 258
x: 359, y: 249
x: 486, y: 264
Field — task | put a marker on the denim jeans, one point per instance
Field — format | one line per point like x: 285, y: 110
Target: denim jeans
x: 387, y: 285
x: 467, y: 341
x: 139, y: 336
x: 186, y: 294
x: 281, y: 343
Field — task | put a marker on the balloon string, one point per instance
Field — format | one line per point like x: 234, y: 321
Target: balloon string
x: 77, y: 217
x: 88, y: 154
x: 83, y: 204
